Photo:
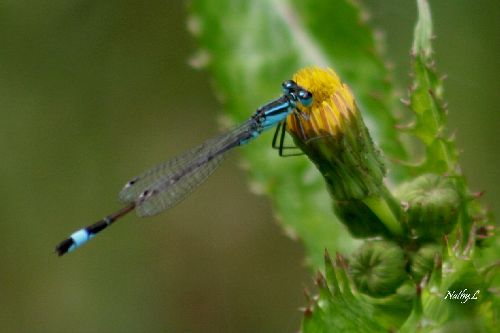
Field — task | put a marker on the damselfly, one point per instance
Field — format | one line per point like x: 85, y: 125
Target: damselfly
x: 166, y: 184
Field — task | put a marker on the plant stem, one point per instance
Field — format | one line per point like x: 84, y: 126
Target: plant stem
x: 381, y: 208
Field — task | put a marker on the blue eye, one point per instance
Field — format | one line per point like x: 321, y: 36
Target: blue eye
x: 288, y: 86
x: 305, y: 98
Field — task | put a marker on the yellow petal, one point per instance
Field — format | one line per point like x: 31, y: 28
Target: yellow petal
x: 332, y: 108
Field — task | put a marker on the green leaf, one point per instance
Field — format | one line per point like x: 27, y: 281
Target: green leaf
x: 250, y: 47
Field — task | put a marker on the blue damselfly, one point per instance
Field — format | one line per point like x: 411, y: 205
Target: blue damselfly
x: 166, y: 184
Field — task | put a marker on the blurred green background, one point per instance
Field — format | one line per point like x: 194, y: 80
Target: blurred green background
x: 92, y: 93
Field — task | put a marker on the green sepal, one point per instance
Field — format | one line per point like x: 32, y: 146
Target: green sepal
x: 353, y: 171
x: 349, y: 161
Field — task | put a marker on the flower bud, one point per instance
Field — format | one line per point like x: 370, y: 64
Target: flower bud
x: 431, y: 205
x: 422, y: 262
x: 378, y: 268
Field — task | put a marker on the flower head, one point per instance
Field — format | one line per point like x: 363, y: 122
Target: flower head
x: 333, y: 104
x: 332, y: 133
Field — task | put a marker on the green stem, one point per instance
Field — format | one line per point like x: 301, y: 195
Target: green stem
x: 380, y: 207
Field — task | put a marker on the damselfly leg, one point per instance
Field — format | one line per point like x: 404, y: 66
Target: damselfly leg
x: 281, y: 147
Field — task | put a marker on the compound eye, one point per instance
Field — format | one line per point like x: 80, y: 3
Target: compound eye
x: 305, y: 98
x: 288, y: 86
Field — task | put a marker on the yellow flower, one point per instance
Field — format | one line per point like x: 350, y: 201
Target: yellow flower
x: 333, y: 105
x: 331, y: 132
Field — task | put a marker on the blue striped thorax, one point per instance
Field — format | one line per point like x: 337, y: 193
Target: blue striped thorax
x: 276, y: 111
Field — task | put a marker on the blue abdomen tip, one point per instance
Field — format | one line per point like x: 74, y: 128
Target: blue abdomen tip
x: 79, y: 238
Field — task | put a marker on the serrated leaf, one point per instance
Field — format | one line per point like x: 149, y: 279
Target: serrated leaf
x: 337, y: 309
x: 426, y: 101
x: 255, y: 45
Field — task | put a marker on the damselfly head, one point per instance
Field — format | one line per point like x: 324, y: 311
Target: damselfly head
x: 292, y: 89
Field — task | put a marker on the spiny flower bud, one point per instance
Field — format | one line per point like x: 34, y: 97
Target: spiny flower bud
x: 422, y: 262
x: 431, y: 205
x: 378, y: 268
x: 332, y: 133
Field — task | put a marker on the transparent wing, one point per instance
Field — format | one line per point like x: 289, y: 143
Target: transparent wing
x: 139, y: 184
x: 166, y: 184
x: 172, y: 190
